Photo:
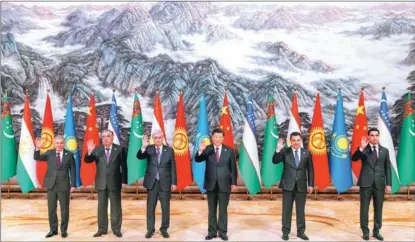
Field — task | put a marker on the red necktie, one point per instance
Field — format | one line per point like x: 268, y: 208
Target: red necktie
x: 58, y: 159
x: 217, y: 154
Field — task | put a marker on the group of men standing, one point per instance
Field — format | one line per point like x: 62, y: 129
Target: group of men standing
x: 220, y: 179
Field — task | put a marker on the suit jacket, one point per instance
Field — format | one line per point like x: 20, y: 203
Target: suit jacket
x: 292, y: 174
x: 373, y: 170
x: 58, y: 175
x: 111, y: 174
x: 166, y: 168
x: 224, y: 172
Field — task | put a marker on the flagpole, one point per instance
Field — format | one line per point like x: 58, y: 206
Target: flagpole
x: 338, y: 196
x: 315, y: 192
x: 136, y: 190
x: 8, y: 188
x: 409, y: 192
x: 272, y: 197
x: 92, y: 192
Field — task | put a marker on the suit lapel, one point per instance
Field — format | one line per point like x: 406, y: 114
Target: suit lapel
x: 369, y: 155
x: 224, y: 149
x: 53, y: 152
x: 292, y: 158
x: 114, y: 150
x: 163, y: 153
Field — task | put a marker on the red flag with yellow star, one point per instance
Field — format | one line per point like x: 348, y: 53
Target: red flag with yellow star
x: 359, y: 131
x: 181, y: 148
x: 317, y: 148
x: 47, y: 137
x: 226, y: 123
x: 91, y: 133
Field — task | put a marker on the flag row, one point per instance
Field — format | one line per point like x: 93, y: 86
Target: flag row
x: 331, y: 165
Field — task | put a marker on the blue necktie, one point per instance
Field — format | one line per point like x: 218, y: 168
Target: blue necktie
x: 297, y: 158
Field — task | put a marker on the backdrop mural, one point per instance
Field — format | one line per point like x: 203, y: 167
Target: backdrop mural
x: 259, y: 49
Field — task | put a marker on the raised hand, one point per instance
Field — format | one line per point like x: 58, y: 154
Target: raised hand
x: 364, y: 142
x: 91, y: 146
x: 202, y: 146
x: 280, y: 144
x: 146, y: 142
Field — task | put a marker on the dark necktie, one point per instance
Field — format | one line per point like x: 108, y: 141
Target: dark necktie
x: 374, y: 153
x: 297, y: 158
x: 58, y: 159
x: 107, y: 154
x: 217, y: 154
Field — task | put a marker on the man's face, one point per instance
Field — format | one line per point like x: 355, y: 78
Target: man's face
x: 59, y: 144
x: 374, y: 137
x: 158, y: 138
x: 295, y: 142
x: 217, y: 139
x: 107, y: 138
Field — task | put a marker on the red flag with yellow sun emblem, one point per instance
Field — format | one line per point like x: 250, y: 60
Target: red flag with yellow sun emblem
x: 181, y: 148
x: 47, y: 137
x: 317, y: 147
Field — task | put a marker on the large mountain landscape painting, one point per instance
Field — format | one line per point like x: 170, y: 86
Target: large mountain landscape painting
x: 249, y: 48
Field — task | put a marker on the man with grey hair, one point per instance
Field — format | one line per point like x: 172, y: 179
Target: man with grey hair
x: 60, y: 163
x: 160, y: 180
x: 110, y: 176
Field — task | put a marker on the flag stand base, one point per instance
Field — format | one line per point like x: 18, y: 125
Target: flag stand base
x: 203, y: 196
x: 180, y: 196
x: 92, y: 194
x: 249, y: 196
x: 338, y: 196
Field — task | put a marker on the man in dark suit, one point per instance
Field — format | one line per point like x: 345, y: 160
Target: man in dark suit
x: 374, y: 180
x: 298, y: 166
x: 220, y: 180
x: 160, y: 180
x: 60, y: 163
x: 110, y: 176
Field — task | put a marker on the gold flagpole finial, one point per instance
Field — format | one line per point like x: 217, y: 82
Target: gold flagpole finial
x: 383, y: 88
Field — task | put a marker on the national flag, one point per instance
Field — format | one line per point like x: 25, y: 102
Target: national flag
x: 340, y: 167
x: 270, y: 172
x: 71, y: 143
x: 385, y: 139
x: 317, y: 148
x: 181, y: 148
x: 359, y: 131
x: 202, y: 134
x: 248, y: 155
x: 26, y: 165
x: 226, y: 123
x: 136, y: 167
x: 113, y: 121
x: 47, y: 137
x: 88, y: 170
x: 8, y: 143
x: 295, y: 121
x: 406, y: 151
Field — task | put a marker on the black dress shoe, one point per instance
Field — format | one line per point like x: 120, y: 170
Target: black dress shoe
x: 164, y: 234
x: 285, y: 236
x: 51, y: 233
x: 118, y: 234
x: 224, y: 237
x: 365, y: 236
x: 302, y: 236
x: 64, y: 234
x: 209, y: 237
x: 377, y: 236
x: 100, y: 233
x: 149, y: 234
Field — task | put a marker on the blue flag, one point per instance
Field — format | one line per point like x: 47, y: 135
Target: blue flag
x: 340, y: 164
x: 71, y: 143
x: 113, y: 121
x: 202, y: 134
